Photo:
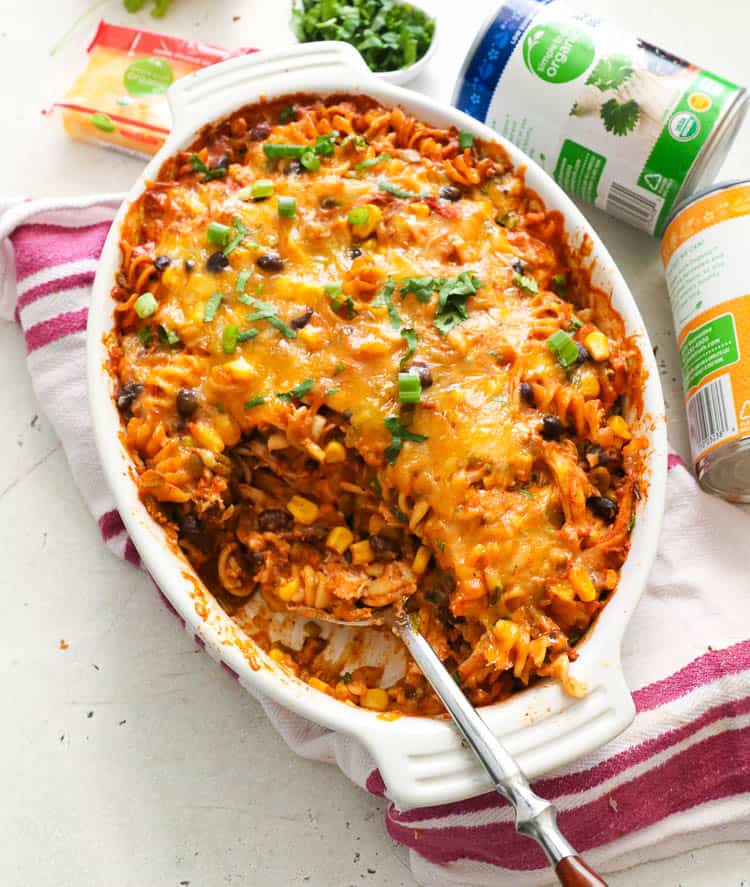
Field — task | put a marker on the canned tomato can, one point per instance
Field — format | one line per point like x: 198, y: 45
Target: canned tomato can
x: 614, y: 120
x: 705, y: 255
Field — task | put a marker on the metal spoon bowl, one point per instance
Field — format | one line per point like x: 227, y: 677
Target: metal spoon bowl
x: 535, y: 817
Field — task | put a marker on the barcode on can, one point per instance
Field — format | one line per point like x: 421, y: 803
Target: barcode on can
x: 631, y: 206
x: 711, y: 414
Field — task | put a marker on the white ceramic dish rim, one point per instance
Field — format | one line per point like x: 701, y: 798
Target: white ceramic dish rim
x: 421, y: 760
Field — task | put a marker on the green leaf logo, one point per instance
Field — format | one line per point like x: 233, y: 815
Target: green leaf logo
x: 557, y: 52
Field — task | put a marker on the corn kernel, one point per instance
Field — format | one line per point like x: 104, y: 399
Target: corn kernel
x: 339, y: 539
x: 374, y: 215
x: 506, y: 632
x: 311, y: 337
x: 315, y: 451
x: 276, y: 441
x: 303, y: 510
x: 374, y: 698
x: 207, y: 437
x: 421, y: 559
x: 335, y: 452
x: 362, y: 552
x: 276, y: 654
x: 620, y: 427
x: 581, y: 582
x: 610, y: 579
x: 227, y: 429
x: 240, y: 369
x: 317, y: 684
x: 588, y: 385
x: 288, y: 590
x: 562, y: 591
x: 420, y: 210
x: 597, y: 345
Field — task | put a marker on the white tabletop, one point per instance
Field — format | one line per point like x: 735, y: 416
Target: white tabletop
x: 130, y: 758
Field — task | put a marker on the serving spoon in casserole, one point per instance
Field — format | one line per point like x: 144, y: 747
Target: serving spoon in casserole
x: 535, y: 817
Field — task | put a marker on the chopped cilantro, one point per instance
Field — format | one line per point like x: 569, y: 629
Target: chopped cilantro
x: 346, y: 677
x: 440, y: 544
x: 410, y: 337
x: 526, y: 283
x: 168, y: 337
x: 339, y: 369
x: 254, y: 402
x: 288, y: 113
x: 452, y: 298
x: 266, y: 311
x: 385, y: 297
x: 144, y: 336
x: 398, y: 435
x: 421, y: 287
x: 559, y: 283
x: 216, y: 172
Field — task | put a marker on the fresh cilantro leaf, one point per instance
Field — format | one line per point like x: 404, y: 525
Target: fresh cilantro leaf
x: 440, y: 544
x: 452, y: 298
x: 266, y: 311
x: 421, y: 287
x: 410, y: 337
x: 398, y: 435
x: 388, y: 34
x: 620, y: 118
x: 288, y: 113
x: 254, y: 402
x: 611, y: 72
x: 385, y: 297
x: 216, y: 172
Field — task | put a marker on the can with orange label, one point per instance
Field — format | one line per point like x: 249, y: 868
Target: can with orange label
x: 705, y: 255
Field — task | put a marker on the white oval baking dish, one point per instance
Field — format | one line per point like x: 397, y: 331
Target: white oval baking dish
x: 421, y: 760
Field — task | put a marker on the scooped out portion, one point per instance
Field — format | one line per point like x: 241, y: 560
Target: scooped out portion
x: 356, y: 363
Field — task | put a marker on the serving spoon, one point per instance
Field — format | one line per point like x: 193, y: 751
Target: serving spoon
x: 535, y: 817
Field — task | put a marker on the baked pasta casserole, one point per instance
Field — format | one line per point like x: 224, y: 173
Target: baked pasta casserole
x: 357, y: 364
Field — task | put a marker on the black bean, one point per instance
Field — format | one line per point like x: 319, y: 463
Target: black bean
x: 222, y: 162
x: 385, y: 549
x: 450, y: 192
x: 270, y: 262
x: 274, y: 520
x: 294, y: 168
x: 583, y: 354
x: 605, y: 458
x: 189, y: 524
x: 328, y: 203
x: 187, y: 402
x: 162, y: 262
x: 355, y: 253
x: 346, y: 415
x: 517, y: 266
x: 527, y: 393
x: 260, y: 131
x: 552, y: 428
x: 257, y: 560
x: 189, y: 265
x: 603, y: 507
x: 297, y: 323
x: 217, y: 261
x: 128, y: 395
x: 422, y: 372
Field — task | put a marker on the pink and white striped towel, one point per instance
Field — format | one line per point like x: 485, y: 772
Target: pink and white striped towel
x: 678, y: 778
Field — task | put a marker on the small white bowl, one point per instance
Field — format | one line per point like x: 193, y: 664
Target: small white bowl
x: 404, y: 75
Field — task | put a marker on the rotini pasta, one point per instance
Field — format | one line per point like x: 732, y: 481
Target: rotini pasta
x: 357, y: 364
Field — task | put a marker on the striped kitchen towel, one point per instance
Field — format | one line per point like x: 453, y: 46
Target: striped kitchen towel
x: 678, y: 778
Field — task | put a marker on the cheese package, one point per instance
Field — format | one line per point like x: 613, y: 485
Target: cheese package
x: 119, y: 100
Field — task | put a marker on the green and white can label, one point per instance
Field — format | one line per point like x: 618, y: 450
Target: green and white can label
x: 615, y: 121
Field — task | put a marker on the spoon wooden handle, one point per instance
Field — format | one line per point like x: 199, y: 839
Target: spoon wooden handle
x: 573, y: 872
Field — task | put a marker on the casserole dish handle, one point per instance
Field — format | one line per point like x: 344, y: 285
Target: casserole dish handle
x: 210, y: 92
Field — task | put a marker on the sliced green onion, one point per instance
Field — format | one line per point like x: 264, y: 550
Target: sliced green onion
x: 229, y: 338
x: 563, y: 347
x: 409, y: 388
x: 575, y: 323
x: 368, y: 164
x: 212, y: 306
x: 340, y: 367
x: 465, y: 140
x: 254, y: 402
x: 169, y: 337
x: 145, y: 305
x: 287, y: 207
x: 508, y: 220
x: 261, y: 189
x: 144, y: 336
x: 242, y: 279
x: 245, y: 193
x: 333, y: 289
x: 247, y: 334
x: 297, y: 392
x: 326, y: 144
x: 275, y: 152
x: 310, y: 160
x: 283, y: 328
x: 241, y: 230
x: 218, y: 234
x: 359, y: 216
x: 526, y: 283
x: 390, y: 188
